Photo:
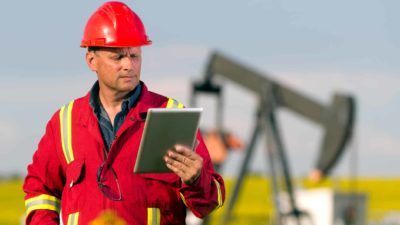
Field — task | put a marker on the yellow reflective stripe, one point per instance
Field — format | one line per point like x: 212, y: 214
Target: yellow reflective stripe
x: 220, y: 202
x: 153, y: 216
x: 42, y: 202
x: 219, y: 197
x: 172, y: 103
x: 183, y: 199
x: 73, y: 219
x: 66, y: 131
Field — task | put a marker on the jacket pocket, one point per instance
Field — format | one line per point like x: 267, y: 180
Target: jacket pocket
x: 75, y: 172
x: 74, y: 194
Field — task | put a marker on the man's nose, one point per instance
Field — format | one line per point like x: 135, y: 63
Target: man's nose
x: 128, y: 63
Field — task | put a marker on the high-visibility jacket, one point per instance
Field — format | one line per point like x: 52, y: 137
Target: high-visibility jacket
x: 62, y: 175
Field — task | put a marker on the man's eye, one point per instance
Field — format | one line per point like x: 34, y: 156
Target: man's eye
x: 117, y: 57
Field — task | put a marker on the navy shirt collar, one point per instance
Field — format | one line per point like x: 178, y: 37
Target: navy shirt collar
x: 128, y: 102
x: 109, y: 131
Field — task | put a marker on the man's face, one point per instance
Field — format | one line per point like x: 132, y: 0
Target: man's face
x: 118, y: 69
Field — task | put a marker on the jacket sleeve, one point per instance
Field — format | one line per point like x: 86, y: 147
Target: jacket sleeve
x: 207, y: 193
x: 44, y: 182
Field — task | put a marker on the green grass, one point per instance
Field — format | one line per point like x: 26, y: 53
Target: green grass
x: 254, y: 204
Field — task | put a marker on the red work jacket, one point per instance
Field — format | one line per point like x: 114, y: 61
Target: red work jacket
x: 62, y: 176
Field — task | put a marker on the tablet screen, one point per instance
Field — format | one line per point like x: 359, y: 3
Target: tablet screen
x: 162, y: 130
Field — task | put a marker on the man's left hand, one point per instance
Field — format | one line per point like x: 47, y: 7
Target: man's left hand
x: 184, y: 162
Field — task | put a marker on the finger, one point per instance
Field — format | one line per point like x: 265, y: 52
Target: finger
x: 186, y: 168
x: 180, y: 157
x: 184, y: 150
x: 186, y: 178
x: 176, y: 170
x: 193, y: 149
x: 181, y: 165
x: 193, y: 163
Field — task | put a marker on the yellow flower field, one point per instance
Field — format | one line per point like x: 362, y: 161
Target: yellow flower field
x: 254, y: 205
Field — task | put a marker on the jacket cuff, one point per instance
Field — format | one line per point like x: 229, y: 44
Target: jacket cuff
x: 42, y: 216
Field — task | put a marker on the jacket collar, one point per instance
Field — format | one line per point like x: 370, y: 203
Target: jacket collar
x: 87, y: 115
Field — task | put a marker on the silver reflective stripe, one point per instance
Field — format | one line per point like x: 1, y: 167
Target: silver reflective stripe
x: 175, y: 104
x: 65, y: 132
x: 73, y: 219
x: 43, y: 202
x: 153, y: 216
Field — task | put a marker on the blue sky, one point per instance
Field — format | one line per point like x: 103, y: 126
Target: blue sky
x: 315, y: 47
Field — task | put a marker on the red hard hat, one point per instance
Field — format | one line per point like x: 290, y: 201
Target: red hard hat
x: 114, y: 24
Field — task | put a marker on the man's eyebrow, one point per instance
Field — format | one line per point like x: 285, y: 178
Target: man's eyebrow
x: 127, y: 53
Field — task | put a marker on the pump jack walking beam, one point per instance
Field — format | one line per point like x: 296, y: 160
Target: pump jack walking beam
x: 337, y: 120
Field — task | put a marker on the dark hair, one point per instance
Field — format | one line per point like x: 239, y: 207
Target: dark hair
x: 93, y: 48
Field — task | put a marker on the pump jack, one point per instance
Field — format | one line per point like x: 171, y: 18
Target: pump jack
x: 337, y: 120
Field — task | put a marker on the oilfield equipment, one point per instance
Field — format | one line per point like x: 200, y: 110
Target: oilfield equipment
x: 336, y: 119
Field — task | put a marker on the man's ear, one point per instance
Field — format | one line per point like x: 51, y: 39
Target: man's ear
x: 91, y: 61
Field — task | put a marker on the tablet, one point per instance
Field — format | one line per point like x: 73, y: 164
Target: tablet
x: 162, y: 130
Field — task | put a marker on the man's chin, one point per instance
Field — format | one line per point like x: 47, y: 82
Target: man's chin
x: 128, y: 87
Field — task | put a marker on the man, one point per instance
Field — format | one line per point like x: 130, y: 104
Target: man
x: 84, y: 162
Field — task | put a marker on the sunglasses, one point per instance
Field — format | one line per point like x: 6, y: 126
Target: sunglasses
x: 107, y: 181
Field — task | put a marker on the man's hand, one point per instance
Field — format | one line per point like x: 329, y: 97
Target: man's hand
x: 184, y: 162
